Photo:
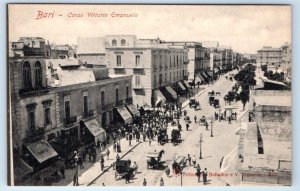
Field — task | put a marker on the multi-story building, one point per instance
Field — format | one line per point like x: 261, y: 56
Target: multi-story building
x: 32, y: 106
x: 286, y: 60
x: 215, y: 60
x: 51, y: 119
x: 195, y: 64
x: 54, y: 51
x: 269, y: 57
x: 153, y: 64
x: 92, y: 50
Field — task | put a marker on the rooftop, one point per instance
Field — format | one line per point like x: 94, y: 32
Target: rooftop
x: 91, y: 45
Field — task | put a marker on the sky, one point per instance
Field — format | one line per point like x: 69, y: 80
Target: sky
x: 245, y: 28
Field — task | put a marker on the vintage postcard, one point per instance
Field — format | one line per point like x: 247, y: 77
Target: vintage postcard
x: 149, y: 95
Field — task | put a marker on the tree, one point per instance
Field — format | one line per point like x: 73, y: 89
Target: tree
x: 244, y: 96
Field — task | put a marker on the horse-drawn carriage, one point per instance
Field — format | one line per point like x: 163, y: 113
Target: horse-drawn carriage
x: 123, y: 170
x: 178, y: 164
x: 163, y: 135
x: 154, y: 160
x: 175, y: 136
x: 192, y: 102
x: 216, y: 102
x: 202, y: 120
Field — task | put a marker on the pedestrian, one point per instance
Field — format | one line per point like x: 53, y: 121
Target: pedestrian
x: 102, y: 163
x: 144, y: 182
x: 187, y: 126
x: 194, y: 161
x: 168, y: 171
x: 103, y: 184
x: 80, y: 162
x: 229, y: 120
x: 161, y: 183
x: 75, y: 179
x: 189, y: 159
x: 184, y: 113
x: 221, y: 162
x: 205, y: 176
x: 195, y: 119
x: 90, y: 156
x: 115, y: 147
x: 127, y: 176
x: 107, y: 154
x: 206, y: 125
x: 117, y: 157
x: 62, y: 171
x: 144, y: 137
x: 130, y: 138
x: 198, y: 172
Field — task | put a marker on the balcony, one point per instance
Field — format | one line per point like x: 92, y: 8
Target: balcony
x: 33, y: 92
x: 138, y: 67
x: 88, y: 114
x: 68, y: 122
x: 120, y: 103
x: 186, y: 62
x: 34, y: 134
x: 129, y: 100
x: 121, y: 67
x: 137, y: 86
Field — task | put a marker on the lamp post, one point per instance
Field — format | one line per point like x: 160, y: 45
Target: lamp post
x: 201, y: 136
x: 181, y: 168
x: 211, y: 127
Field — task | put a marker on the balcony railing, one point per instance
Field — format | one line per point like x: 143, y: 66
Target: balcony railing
x: 34, y: 134
x: 68, y: 122
x: 88, y: 114
x: 137, y: 86
x: 129, y: 100
x: 138, y: 67
x: 119, y: 67
x: 24, y: 93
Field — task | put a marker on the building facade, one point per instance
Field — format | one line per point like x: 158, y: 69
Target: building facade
x: 269, y: 57
x: 152, y: 63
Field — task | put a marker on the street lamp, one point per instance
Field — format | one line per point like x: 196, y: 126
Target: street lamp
x: 211, y: 127
x: 181, y: 168
x: 201, y: 136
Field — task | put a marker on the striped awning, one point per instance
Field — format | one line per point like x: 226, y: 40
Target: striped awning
x: 172, y: 92
x: 197, y: 79
x: 181, y: 86
x: 216, y: 70
x: 186, y: 84
x: 41, y: 151
x: 159, y: 97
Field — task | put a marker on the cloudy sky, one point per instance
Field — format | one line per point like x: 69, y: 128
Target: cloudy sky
x: 244, y: 28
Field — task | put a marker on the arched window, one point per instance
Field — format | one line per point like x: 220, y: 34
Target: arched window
x: 114, y: 42
x: 38, y: 74
x: 123, y: 42
x: 26, y: 75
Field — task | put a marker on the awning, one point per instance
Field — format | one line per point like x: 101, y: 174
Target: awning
x: 202, y: 79
x: 94, y: 127
x: 210, y: 73
x: 197, y: 79
x: 181, y: 86
x: 159, y: 97
x: 204, y: 75
x: 239, y: 90
x: 134, y: 111
x: 125, y: 114
x: 41, y: 150
x: 187, y: 85
x: 216, y: 70
x: 172, y: 92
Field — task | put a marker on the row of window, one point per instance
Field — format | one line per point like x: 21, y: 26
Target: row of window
x: 114, y: 42
x: 164, y: 77
x: 27, y: 81
x: 86, y: 105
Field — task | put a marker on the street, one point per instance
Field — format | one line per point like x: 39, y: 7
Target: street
x: 213, y: 149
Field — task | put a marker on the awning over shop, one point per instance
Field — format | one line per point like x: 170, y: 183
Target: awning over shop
x: 125, y: 114
x: 216, y: 70
x: 172, y: 92
x: 186, y: 84
x: 239, y: 90
x: 197, y: 79
x: 210, y: 73
x: 204, y: 75
x: 95, y: 129
x: 202, y: 79
x: 134, y: 111
x: 41, y: 150
x: 159, y: 97
x: 181, y: 86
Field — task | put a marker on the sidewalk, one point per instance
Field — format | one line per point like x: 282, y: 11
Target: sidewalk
x: 93, y: 171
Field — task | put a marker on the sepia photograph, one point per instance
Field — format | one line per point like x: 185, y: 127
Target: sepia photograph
x: 149, y: 95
